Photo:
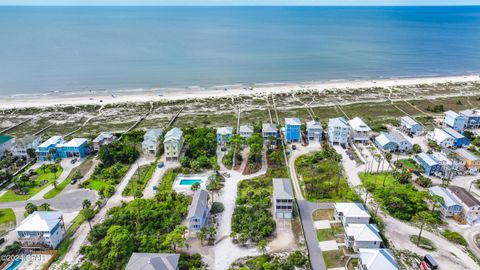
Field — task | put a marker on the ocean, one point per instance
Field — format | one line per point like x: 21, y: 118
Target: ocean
x: 71, y: 49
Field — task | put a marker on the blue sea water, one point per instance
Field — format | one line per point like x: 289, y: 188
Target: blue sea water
x: 45, y: 49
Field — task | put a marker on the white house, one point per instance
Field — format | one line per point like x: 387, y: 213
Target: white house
x: 173, y: 144
x: 314, y: 130
x: 282, y: 198
x: 246, y: 131
x: 103, y: 139
x: 410, y: 126
x: 450, y: 162
x: 442, y: 138
x: 19, y: 149
x: 359, y: 131
x: 376, y: 259
x: 153, y: 261
x: 198, y: 211
x: 362, y: 236
x: 471, y: 205
x: 338, y: 131
x: 6, y: 143
x: 150, y: 141
x: 269, y: 130
x: 352, y: 213
x: 41, y: 229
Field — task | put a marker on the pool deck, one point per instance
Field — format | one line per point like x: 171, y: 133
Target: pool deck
x: 203, y: 177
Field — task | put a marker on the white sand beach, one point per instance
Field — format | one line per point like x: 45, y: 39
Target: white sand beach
x: 109, y: 97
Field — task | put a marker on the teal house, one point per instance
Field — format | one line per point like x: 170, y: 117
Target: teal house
x: 292, y: 129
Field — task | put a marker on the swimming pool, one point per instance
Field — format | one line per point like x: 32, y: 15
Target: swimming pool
x: 14, y: 265
x: 189, y: 182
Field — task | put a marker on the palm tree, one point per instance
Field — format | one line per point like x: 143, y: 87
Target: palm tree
x: 45, y: 207
x: 86, y: 203
x: 195, y: 186
x: 202, y: 234
x: 51, y: 153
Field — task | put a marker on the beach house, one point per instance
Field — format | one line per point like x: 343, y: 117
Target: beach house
x: 292, y: 129
x: 6, y: 143
x: 472, y: 161
x: 314, y: 130
x: 150, y: 142
x: 362, y: 236
x: 450, y: 162
x: 21, y: 146
x: 103, y: 139
x: 246, y: 131
x: 282, y: 198
x: 153, y: 261
x: 75, y: 148
x: 173, y: 144
x: 338, y: 131
x: 410, y: 126
x: 454, y: 120
x: 48, y: 149
x: 450, y: 205
x: 198, y: 211
x: 429, y: 164
x: 352, y: 213
x: 458, y: 139
x: 269, y: 131
x: 472, y: 118
x: 442, y: 138
x: 359, y: 131
x: 470, y: 204
x: 224, y: 134
x: 41, y: 230
x: 376, y: 259
x: 393, y: 142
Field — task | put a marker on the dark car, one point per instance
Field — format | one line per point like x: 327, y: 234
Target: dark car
x: 294, y: 147
x: 160, y: 164
x: 73, y: 161
x: 430, y: 261
x: 73, y: 182
x: 2, y: 240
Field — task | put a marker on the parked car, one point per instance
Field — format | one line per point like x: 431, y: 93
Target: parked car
x: 160, y: 164
x: 430, y: 261
x: 73, y: 182
x: 73, y: 161
x: 2, y: 240
x: 294, y: 147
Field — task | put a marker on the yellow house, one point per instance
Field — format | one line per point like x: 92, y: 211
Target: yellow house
x: 472, y: 161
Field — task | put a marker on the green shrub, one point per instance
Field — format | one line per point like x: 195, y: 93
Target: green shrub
x: 454, y: 237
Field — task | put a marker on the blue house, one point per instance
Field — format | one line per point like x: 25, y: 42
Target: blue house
x: 472, y: 118
x: 292, y: 129
x: 450, y: 205
x: 198, y: 211
x: 455, y: 120
x: 411, y: 126
x: 75, y: 148
x: 44, y: 152
x: 429, y: 164
x: 224, y: 134
x: 458, y: 139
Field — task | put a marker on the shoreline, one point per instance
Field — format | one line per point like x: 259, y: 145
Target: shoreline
x: 104, y: 97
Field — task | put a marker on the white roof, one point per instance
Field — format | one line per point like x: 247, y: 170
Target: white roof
x: 173, y: 134
x: 102, y: 136
x: 73, y: 142
x: 452, y: 114
x: 448, y: 198
x: 268, y: 127
x: 338, y: 122
x: 470, y: 113
x: 292, y: 121
x: 246, y: 129
x: 440, y: 135
x: 363, y: 232
x: 358, y: 125
x: 224, y: 130
x: 378, y: 259
x: 40, y: 221
x: 431, y: 161
x: 466, y: 154
x: 453, y: 133
x: 409, y: 121
x: 393, y: 136
x: 352, y: 209
x: 312, y: 124
x: 383, y: 139
x: 152, y: 134
x: 52, y: 140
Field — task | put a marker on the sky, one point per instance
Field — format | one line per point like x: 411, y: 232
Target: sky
x: 240, y: 2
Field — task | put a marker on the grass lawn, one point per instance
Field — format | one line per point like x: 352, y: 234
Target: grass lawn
x: 82, y: 169
x: 424, y: 242
x: 68, y: 238
x: 323, y: 214
x: 325, y: 235
x: 139, y: 179
x: 369, y: 180
x: 104, y: 180
x: 167, y: 180
x: 97, y: 184
x: 7, y: 215
x: 334, y: 258
x: 408, y: 163
x: 34, y: 186
x: 322, y: 187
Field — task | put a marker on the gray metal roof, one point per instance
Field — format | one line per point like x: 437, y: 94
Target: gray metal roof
x: 153, y: 261
x: 198, y: 205
x: 173, y: 134
x: 269, y: 128
x: 282, y: 189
